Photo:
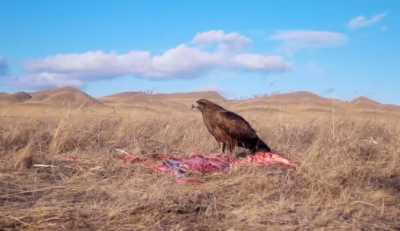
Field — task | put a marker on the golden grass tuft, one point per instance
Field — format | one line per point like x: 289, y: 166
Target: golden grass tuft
x: 348, y: 176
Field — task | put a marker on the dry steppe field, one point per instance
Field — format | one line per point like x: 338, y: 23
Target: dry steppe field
x: 59, y: 169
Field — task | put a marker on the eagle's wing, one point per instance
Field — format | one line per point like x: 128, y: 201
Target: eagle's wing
x: 234, y: 125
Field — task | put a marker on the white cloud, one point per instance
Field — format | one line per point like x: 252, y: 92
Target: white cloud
x: 46, y: 80
x: 294, y: 40
x: 182, y: 61
x: 362, y: 21
x: 226, y: 40
x: 259, y: 62
x: 3, y: 66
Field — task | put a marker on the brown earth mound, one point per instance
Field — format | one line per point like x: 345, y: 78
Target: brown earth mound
x: 294, y: 98
x: 18, y: 97
x: 365, y: 102
x: 67, y: 96
x: 177, y: 101
x: 130, y: 97
x: 298, y: 97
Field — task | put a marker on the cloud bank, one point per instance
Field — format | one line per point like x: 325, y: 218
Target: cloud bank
x: 182, y: 61
x: 362, y: 21
x: 294, y: 40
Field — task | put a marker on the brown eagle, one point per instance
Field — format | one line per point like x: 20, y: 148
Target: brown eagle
x: 229, y: 128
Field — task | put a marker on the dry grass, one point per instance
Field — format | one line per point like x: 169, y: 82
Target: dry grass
x: 348, y: 176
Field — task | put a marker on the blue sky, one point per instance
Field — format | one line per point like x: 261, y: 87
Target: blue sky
x: 340, y: 49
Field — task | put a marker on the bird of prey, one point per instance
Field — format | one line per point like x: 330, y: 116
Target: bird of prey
x: 229, y: 128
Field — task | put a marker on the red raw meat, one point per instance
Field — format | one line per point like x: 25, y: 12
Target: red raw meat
x: 203, y: 164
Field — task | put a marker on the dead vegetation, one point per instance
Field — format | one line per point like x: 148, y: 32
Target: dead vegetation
x: 58, y: 170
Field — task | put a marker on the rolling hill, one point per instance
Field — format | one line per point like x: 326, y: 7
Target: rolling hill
x: 18, y: 97
x: 66, y: 97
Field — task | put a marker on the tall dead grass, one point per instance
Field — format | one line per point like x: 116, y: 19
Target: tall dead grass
x: 346, y: 180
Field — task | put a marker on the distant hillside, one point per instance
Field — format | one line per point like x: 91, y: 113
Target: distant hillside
x: 365, y: 102
x: 67, y: 96
x: 302, y: 100
x: 195, y: 95
x: 292, y: 98
x: 137, y: 97
x: 18, y: 97
x: 299, y: 96
x: 125, y: 97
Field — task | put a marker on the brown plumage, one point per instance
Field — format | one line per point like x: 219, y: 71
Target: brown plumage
x: 229, y: 128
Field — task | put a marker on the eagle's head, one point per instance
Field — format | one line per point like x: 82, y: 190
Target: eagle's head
x: 205, y: 104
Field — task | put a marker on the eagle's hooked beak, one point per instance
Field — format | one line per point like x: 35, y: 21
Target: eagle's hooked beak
x: 194, y: 107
